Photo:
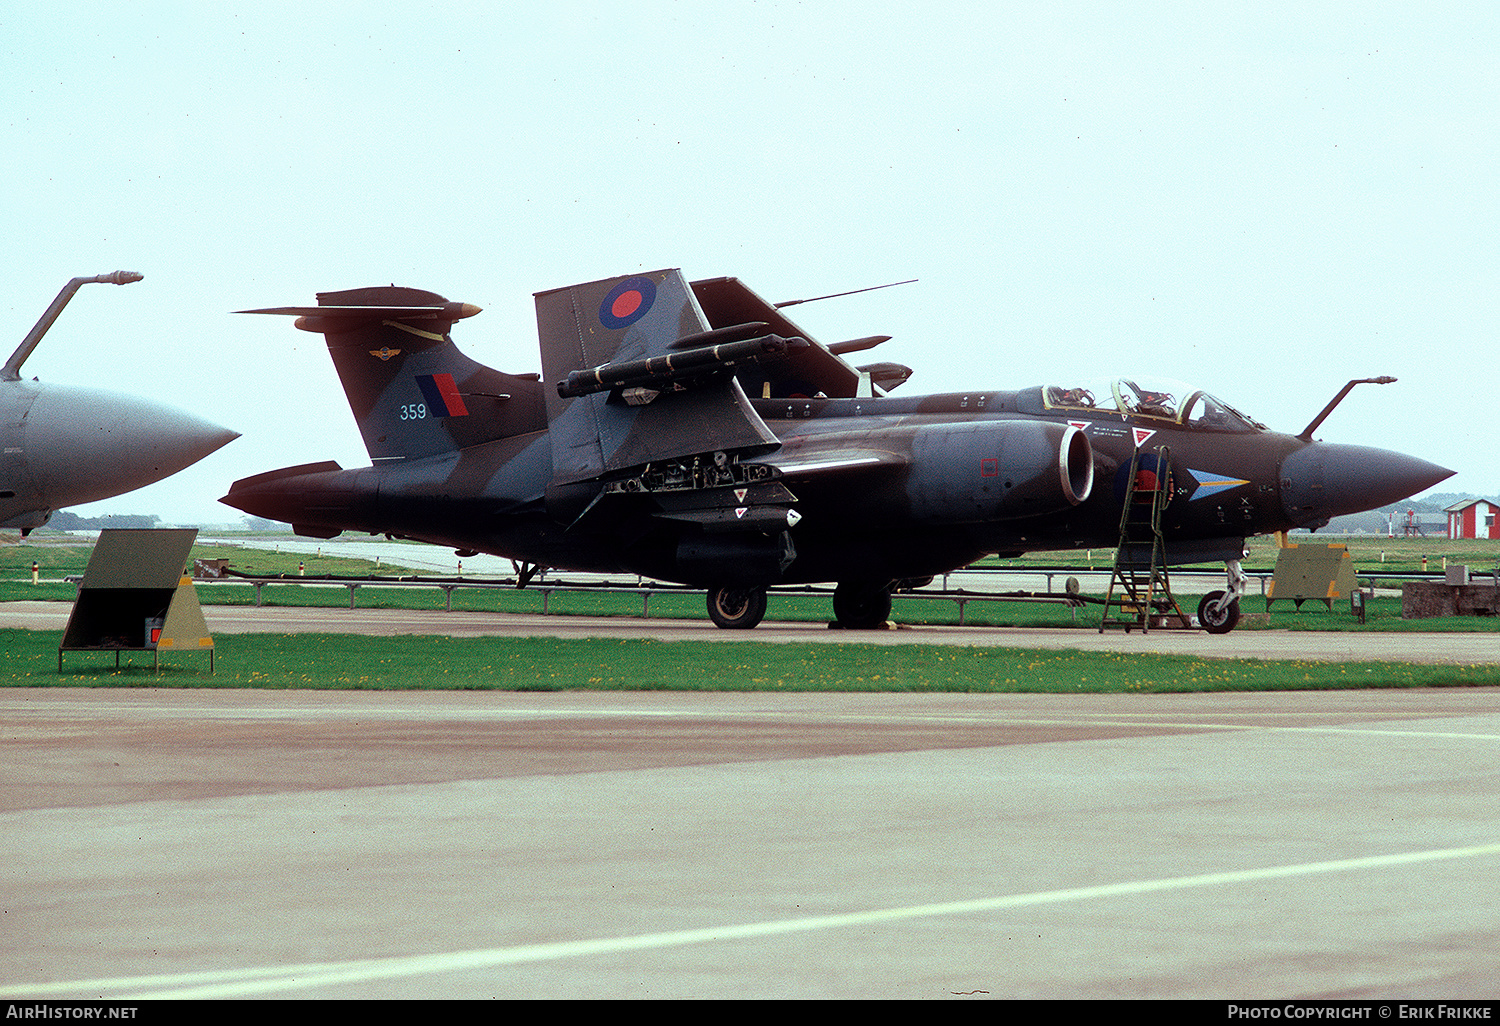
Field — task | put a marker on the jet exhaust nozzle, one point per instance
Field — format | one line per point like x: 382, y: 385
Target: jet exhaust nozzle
x: 998, y: 470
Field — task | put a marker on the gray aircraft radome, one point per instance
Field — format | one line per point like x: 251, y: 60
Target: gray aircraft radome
x: 64, y: 445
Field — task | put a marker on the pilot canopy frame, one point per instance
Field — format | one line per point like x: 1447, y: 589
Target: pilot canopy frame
x: 1161, y: 399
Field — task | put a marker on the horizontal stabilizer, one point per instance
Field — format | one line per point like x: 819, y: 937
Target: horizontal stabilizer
x: 446, y: 312
x: 413, y: 393
x: 334, y: 319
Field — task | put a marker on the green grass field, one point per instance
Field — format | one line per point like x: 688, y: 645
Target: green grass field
x: 29, y: 658
x: 356, y: 662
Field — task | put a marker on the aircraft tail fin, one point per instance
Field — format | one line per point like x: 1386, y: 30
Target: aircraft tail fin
x: 636, y: 375
x: 413, y: 393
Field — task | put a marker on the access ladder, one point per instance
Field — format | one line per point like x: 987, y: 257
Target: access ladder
x: 1140, y: 588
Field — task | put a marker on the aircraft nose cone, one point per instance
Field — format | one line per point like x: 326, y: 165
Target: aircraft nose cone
x: 100, y: 444
x: 186, y: 439
x: 1323, y: 480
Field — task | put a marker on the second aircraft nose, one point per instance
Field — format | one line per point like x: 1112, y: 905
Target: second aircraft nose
x: 1323, y: 480
x: 87, y: 444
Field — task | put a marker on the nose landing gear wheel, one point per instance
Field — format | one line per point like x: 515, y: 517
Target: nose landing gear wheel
x: 736, y: 608
x: 1218, y: 612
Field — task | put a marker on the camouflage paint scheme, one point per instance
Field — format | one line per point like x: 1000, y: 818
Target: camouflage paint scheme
x: 690, y: 432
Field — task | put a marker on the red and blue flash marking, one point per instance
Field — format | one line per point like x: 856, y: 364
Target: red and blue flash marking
x: 442, y: 396
x: 627, y: 303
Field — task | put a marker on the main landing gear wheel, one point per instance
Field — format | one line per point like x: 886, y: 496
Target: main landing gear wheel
x: 1219, y: 612
x: 736, y: 608
x: 861, y: 606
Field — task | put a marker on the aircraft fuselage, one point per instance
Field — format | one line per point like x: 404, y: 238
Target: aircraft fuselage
x: 671, y: 435
x: 898, y: 522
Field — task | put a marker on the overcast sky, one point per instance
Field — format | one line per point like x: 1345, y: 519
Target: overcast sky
x: 1263, y: 199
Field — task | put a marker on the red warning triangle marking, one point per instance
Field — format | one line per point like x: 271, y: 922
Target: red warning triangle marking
x: 739, y: 514
x: 1141, y: 434
x: 740, y: 493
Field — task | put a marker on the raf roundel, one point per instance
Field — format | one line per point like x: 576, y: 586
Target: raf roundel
x: 627, y: 303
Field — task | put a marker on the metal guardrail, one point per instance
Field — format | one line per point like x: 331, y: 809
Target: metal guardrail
x: 962, y: 597
x: 1372, y: 577
x: 645, y: 591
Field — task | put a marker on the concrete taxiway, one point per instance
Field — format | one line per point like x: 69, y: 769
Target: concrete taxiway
x: 226, y: 843
x: 198, y: 843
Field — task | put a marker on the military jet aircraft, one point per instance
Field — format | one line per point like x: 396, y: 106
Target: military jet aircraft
x: 690, y: 432
x: 62, y: 445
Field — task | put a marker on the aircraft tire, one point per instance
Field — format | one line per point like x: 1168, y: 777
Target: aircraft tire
x: 861, y: 606
x: 1217, y: 618
x: 736, y: 608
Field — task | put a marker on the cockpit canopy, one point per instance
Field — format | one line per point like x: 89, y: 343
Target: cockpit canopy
x: 1154, y: 398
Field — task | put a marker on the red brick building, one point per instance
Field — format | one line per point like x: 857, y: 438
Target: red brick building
x: 1473, y: 518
